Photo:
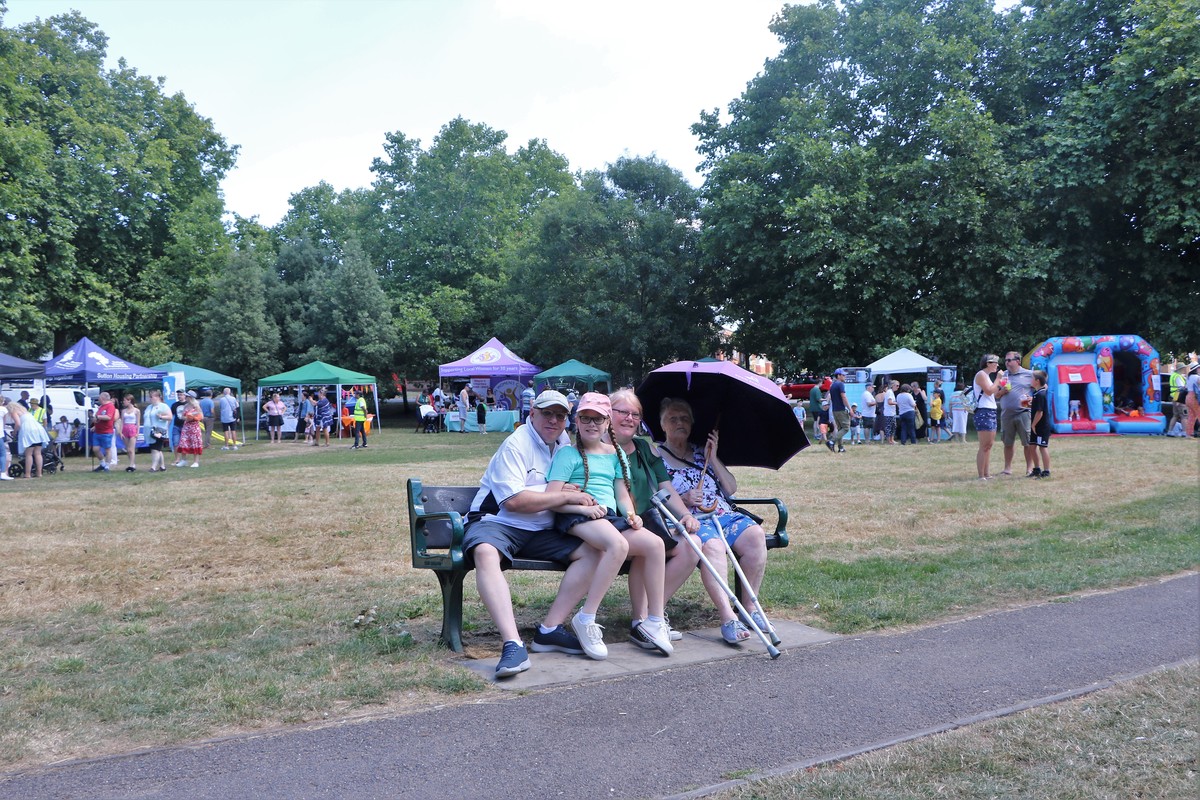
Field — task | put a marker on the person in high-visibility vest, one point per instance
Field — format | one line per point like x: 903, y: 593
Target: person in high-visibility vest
x: 360, y: 420
x: 39, y: 413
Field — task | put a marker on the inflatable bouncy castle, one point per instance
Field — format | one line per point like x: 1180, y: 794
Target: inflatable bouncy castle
x: 1101, y: 384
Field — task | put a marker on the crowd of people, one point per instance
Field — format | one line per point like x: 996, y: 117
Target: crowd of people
x: 182, y: 429
x: 1003, y: 398
x: 588, y: 505
x: 437, y: 408
x: 887, y: 412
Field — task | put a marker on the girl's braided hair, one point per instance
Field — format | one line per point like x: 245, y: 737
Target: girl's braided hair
x: 624, y: 462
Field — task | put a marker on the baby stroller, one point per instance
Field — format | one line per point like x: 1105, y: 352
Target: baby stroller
x: 51, y: 463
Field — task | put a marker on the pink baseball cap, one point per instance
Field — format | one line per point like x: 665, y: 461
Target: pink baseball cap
x: 596, y: 402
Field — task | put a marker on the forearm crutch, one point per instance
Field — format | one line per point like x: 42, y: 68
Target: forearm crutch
x: 679, y: 532
x: 742, y: 577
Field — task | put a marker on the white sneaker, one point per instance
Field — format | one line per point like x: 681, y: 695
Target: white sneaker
x: 193, y: 466
x: 6, y: 477
x: 676, y: 636
x: 235, y: 447
x: 659, y: 635
x: 180, y: 463
x: 591, y: 638
x: 224, y: 447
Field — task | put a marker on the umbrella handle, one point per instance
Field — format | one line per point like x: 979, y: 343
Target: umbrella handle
x: 700, y: 484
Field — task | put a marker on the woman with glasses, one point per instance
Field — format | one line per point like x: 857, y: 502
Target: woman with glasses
x: 985, y: 386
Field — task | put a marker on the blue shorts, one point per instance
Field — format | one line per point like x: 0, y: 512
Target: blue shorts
x: 102, y: 441
x: 564, y: 522
x: 985, y: 419
x: 734, y: 525
x: 518, y: 543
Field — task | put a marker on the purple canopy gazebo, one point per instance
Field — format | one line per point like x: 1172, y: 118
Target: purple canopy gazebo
x: 493, y: 359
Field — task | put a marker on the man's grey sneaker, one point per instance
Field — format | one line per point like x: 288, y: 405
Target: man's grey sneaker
x: 658, y: 635
x: 558, y: 640
x: 591, y: 638
x: 514, y: 659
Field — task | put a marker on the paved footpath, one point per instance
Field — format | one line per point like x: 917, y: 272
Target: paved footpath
x: 679, y: 729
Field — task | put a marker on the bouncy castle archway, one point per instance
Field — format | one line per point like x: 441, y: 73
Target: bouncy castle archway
x: 1101, y: 384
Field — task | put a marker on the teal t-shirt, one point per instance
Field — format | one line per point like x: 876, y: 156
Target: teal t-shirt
x: 603, y: 471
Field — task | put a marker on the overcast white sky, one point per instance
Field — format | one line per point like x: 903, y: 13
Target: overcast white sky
x: 308, y: 88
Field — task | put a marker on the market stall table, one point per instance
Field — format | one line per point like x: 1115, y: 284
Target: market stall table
x: 499, y: 421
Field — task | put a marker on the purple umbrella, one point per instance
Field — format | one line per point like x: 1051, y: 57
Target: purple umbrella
x: 758, y: 427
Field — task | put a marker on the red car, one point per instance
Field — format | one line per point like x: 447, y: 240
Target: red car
x: 799, y: 391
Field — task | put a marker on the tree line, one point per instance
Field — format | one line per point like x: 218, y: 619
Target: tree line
x: 939, y: 176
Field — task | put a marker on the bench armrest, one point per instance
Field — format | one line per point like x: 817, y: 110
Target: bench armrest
x: 420, y: 544
x: 780, y: 534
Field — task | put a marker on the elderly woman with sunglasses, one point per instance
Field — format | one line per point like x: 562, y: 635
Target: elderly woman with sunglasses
x: 705, y: 483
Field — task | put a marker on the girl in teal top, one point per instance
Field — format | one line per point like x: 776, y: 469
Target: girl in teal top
x: 612, y: 526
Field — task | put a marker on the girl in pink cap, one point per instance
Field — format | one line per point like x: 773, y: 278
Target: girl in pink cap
x: 611, y: 526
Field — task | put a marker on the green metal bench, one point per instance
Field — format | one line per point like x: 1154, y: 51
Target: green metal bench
x: 437, y: 520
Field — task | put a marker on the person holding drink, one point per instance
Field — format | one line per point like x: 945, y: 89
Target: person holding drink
x: 1015, y: 399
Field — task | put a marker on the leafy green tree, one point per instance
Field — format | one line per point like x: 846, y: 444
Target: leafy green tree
x: 940, y: 175
x: 448, y: 214
x: 857, y: 193
x: 349, y: 322
x: 609, y: 273
x: 239, y: 336
x: 114, y: 184
x: 1112, y: 85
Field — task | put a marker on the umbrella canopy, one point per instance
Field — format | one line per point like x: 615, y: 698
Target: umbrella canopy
x: 757, y: 425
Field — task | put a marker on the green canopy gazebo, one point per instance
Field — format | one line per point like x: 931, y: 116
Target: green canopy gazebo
x: 316, y: 373
x: 574, y: 371
x: 194, y: 376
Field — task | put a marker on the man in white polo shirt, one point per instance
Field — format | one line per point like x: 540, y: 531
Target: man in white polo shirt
x: 513, y: 516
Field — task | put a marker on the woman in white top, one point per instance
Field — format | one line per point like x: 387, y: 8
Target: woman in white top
x: 984, y: 388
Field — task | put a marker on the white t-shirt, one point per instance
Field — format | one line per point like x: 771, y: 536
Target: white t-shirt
x: 521, y: 464
x: 889, y: 410
x: 867, y: 403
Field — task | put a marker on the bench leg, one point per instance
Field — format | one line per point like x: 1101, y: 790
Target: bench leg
x: 452, y: 608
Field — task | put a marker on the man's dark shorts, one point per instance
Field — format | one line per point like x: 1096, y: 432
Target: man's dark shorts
x: 518, y: 543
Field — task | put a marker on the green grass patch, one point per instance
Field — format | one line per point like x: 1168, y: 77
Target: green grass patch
x: 1136, y: 740
x: 984, y: 568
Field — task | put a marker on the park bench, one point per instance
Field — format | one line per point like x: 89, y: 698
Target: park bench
x: 436, y: 521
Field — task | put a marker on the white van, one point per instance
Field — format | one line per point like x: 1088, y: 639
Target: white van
x: 65, y: 401
x: 70, y: 403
